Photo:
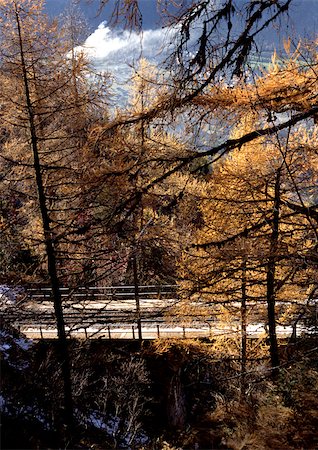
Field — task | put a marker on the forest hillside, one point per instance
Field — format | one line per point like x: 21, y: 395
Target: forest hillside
x: 188, y: 211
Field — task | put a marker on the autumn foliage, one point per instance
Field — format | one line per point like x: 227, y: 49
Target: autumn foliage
x: 207, y: 179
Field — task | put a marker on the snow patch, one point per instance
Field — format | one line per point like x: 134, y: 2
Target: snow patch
x: 111, y: 427
x: 2, y: 403
x: 10, y: 347
x: 24, y: 344
x: 9, y: 295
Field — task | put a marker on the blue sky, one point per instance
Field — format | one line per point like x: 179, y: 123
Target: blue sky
x: 303, y: 13
x: 116, y: 51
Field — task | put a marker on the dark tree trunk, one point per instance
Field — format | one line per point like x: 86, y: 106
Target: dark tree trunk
x: 243, y: 329
x: 176, y: 407
x: 136, y: 288
x: 49, y: 242
x: 270, y: 284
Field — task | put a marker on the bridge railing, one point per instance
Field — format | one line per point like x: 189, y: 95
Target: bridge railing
x: 105, y: 293
x: 111, y: 308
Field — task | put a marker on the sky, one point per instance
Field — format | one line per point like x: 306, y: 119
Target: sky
x: 303, y: 13
x: 117, y: 51
x: 151, y: 18
x: 109, y: 47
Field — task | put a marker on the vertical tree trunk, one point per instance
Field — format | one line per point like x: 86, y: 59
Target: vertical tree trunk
x: 243, y: 329
x: 270, y: 284
x: 136, y: 287
x: 176, y: 408
x: 48, y: 238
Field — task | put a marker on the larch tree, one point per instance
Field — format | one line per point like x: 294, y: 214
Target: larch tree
x: 251, y: 247
x: 207, y: 71
x: 210, y: 88
x: 127, y: 160
x: 47, y: 105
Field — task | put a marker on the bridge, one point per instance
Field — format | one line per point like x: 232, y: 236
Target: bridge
x: 117, y: 312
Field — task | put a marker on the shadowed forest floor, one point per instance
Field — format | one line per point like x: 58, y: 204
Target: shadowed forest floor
x: 164, y: 394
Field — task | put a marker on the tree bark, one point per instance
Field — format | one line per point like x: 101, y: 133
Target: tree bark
x: 176, y: 408
x: 136, y: 288
x: 243, y: 329
x: 270, y: 282
x: 48, y: 238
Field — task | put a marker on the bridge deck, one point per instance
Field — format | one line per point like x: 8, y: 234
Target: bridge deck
x: 110, y: 313
x: 157, y: 331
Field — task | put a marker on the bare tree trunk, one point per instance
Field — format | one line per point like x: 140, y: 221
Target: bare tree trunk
x: 176, y: 409
x: 271, y: 266
x: 49, y: 241
x: 243, y: 329
x: 136, y: 287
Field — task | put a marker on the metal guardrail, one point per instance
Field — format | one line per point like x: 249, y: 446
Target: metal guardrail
x: 104, y: 292
x: 87, y: 307
x: 109, y: 312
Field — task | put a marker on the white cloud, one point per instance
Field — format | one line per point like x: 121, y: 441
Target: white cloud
x: 117, y: 52
x: 110, y: 50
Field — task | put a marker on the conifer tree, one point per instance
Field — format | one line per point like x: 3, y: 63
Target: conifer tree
x: 47, y: 106
x: 251, y: 245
